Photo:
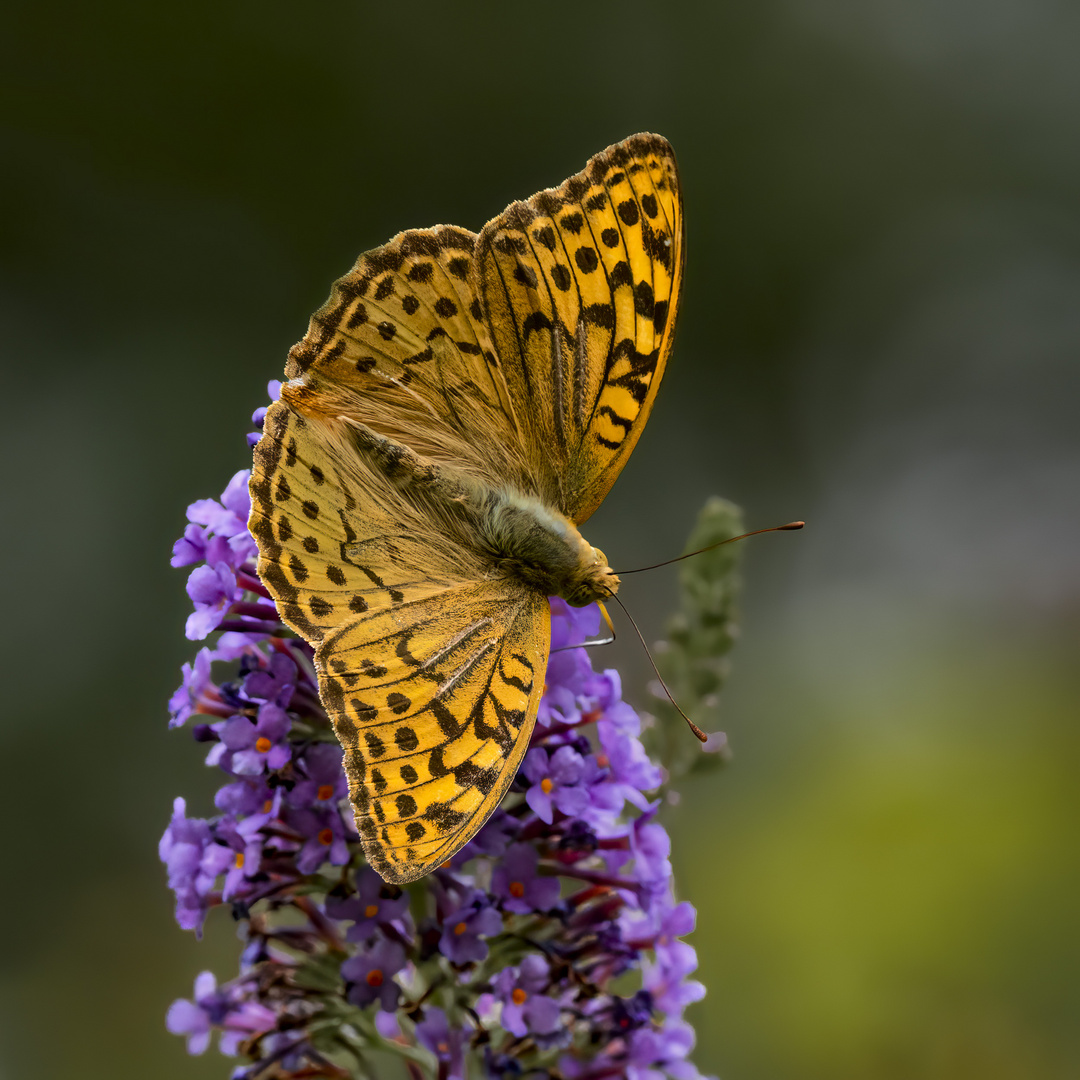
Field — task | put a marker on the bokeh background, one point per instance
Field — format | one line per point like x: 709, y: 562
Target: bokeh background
x: 880, y: 334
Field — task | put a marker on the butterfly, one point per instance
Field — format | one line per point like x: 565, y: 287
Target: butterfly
x: 458, y: 407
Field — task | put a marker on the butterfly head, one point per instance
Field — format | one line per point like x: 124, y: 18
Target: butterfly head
x: 595, y: 580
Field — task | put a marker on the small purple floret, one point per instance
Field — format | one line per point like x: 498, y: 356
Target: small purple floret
x: 464, y: 928
x: 374, y: 903
x: 517, y: 884
x: 370, y: 974
x: 435, y: 1034
x: 526, y: 1008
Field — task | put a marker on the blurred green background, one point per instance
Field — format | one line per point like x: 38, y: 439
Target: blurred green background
x: 880, y: 334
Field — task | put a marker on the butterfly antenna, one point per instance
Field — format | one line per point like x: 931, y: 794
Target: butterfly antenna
x: 789, y: 527
x: 693, y: 727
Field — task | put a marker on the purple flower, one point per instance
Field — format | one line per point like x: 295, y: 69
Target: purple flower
x: 651, y: 846
x: 194, y: 689
x: 198, y: 545
x: 559, y: 705
x: 571, y: 625
x: 498, y: 831
x: 248, y: 795
x: 568, y: 668
x: 517, y: 885
x: 526, y: 1009
x: 192, y: 1018
x: 324, y: 782
x: 555, y: 782
x: 654, y: 1053
x: 462, y: 929
x: 248, y: 749
x: 212, y: 589
x: 375, y: 901
x: 662, y: 922
x: 630, y: 765
x: 193, y: 861
x: 667, y: 980
x: 237, y: 1019
x: 435, y: 1034
x: 218, y: 530
x: 632, y: 1012
x: 244, y: 839
x: 324, y: 838
x: 603, y: 691
x: 371, y: 972
x: 229, y: 516
x: 275, y: 683
x: 604, y: 797
x: 273, y: 390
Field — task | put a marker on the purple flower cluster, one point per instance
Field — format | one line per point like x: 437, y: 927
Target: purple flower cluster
x: 506, y: 957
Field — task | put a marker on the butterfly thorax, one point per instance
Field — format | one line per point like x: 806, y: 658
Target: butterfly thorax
x: 512, y: 534
x: 542, y: 548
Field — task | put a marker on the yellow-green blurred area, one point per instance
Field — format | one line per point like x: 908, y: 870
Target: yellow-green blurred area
x: 880, y: 334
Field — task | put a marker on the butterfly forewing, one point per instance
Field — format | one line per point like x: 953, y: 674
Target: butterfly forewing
x: 580, y: 286
x: 400, y: 346
x: 434, y: 701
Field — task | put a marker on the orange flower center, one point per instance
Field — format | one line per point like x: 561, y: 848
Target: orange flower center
x: 239, y: 860
x: 326, y: 837
x: 374, y: 977
x: 263, y: 744
x: 326, y: 791
x: 546, y: 785
x: 371, y: 911
x: 460, y: 929
x: 518, y: 997
x: 517, y: 889
x: 268, y: 806
x: 602, y: 760
x: 443, y: 1047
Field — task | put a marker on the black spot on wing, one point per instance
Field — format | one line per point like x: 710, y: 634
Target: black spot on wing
x: 545, y: 236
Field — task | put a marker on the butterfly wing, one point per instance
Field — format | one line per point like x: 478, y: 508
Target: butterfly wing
x: 401, y: 347
x: 580, y: 286
x: 333, y: 543
x: 430, y: 671
x: 434, y: 701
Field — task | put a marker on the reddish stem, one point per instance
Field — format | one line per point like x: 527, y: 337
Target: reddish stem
x: 254, y: 611
x: 252, y: 627
x: 252, y: 584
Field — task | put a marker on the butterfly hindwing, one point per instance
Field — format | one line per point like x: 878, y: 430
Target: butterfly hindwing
x: 330, y: 548
x: 434, y: 701
x: 580, y: 286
